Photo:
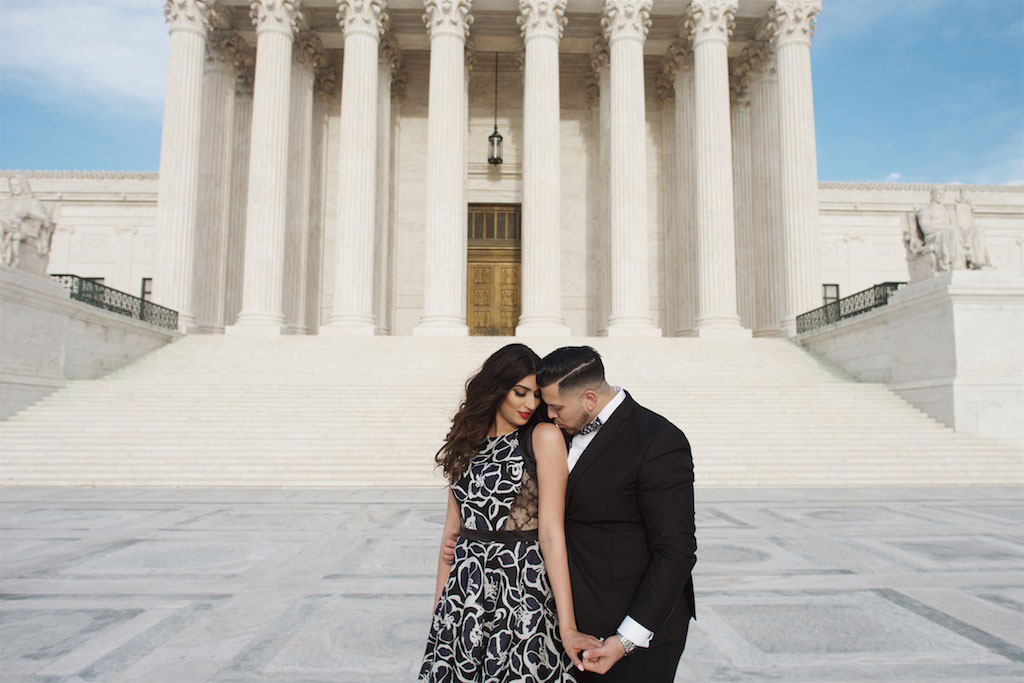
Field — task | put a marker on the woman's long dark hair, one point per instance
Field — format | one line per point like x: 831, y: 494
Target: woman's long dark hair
x: 485, y: 391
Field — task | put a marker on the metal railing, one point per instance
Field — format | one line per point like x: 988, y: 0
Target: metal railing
x: 116, y: 301
x: 847, y: 307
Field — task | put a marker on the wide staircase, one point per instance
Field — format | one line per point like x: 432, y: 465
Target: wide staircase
x: 327, y: 411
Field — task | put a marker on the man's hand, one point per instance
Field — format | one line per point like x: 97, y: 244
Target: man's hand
x: 448, y: 548
x: 574, y: 642
x: 600, y: 660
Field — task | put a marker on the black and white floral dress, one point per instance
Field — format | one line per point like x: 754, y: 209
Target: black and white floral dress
x: 495, y: 621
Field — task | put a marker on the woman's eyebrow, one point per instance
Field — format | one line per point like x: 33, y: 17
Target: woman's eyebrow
x: 520, y: 386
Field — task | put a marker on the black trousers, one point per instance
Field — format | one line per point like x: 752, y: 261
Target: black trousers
x: 647, y: 665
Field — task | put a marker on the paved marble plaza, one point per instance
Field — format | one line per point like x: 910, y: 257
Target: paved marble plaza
x: 175, y: 586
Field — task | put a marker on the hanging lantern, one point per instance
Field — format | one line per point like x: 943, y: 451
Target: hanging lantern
x: 494, y: 139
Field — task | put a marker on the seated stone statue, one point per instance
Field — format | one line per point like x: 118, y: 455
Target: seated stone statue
x: 25, y: 222
x: 943, y: 236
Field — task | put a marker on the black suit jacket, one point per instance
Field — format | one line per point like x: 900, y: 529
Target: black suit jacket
x: 629, y: 526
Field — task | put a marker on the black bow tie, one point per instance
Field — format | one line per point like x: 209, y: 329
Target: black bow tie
x: 591, y: 427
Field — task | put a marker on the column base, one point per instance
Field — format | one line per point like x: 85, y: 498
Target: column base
x: 769, y: 333
x: 255, y: 330
x: 266, y: 324
x: 721, y: 328
x: 632, y: 328
x: 787, y: 328
x: 205, y: 329
x: 542, y: 327
x: 297, y: 329
x: 443, y: 327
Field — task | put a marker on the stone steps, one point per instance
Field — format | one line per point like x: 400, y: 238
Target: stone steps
x: 311, y: 411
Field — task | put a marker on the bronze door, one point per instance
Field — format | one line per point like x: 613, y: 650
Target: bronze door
x: 492, y: 287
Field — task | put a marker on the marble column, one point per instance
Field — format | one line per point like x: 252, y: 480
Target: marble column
x: 362, y: 24
x: 239, y: 181
x: 542, y: 23
x: 389, y: 62
x: 685, y: 241
x: 178, y: 193
x: 767, y: 199
x: 668, y: 191
x: 742, y: 193
x: 625, y: 24
x: 444, y: 274
x: 308, y: 55
x: 599, y: 252
x: 325, y: 90
x: 276, y: 23
x: 793, y: 22
x: 710, y: 23
x: 218, y: 109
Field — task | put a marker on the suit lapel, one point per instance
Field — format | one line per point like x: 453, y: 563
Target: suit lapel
x: 605, y: 436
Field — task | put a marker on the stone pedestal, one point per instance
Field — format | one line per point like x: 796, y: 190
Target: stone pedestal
x: 35, y: 311
x: 956, y: 351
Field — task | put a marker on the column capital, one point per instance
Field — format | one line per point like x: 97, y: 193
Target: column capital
x: 309, y: 50
x: 761, y: 57
x: 664, y: 83
x: 680, y: 53
x: 711, y: 20
x: 282, y: 16
x: 739, y: 81
x: 363, y: 16
x: 225, y: 46
x: 541, y: 18
x: 390, y: 52
x: 469, y: 54
x: 189, y: 15
x: 325, y: 80
x: 793, y: 21
x: 448, y: 17
x: 599, y: 61
x: 626, y: 19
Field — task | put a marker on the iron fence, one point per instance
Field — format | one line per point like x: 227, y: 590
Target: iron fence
x: 847, y: 307
x: 116, y: 301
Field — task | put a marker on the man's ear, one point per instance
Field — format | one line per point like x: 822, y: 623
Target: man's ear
x: 589, y: 399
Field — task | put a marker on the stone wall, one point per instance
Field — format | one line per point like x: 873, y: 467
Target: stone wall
x: 106, y: 226
x: 47, y: 339
x: 950, y: 345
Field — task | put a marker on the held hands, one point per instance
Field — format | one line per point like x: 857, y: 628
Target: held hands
x: 574, y: 642
x: 600, y: 659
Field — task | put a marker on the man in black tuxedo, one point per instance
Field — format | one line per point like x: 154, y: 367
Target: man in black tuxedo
x: 629, y: 526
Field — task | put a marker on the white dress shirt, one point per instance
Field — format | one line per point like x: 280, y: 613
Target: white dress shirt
x: 629, y: 628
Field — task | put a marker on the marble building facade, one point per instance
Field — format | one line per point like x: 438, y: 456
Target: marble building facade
x: 642, y: 144
x: 324, y: 167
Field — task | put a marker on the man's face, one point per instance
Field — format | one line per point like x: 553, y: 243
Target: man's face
x: 571, y: 411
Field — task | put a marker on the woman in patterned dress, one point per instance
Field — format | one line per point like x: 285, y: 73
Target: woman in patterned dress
x: 504, y: 605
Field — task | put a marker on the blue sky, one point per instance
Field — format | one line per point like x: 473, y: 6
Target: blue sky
x: 905, y: 90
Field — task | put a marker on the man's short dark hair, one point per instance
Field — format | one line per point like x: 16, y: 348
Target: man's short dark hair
x: 572, y: 368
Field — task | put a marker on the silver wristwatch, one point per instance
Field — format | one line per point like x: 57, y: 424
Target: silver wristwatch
x: 628, y: 644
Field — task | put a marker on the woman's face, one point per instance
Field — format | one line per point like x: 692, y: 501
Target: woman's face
x: 520, y: 402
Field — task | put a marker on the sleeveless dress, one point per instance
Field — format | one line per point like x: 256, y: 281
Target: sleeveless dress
x: 495, y: 621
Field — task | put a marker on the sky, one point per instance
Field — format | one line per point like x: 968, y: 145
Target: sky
x: 904, y: 90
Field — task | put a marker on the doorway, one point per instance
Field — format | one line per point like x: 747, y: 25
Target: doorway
x: 492, y: 287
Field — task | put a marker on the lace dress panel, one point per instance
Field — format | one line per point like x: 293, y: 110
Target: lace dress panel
x: 523, y: 514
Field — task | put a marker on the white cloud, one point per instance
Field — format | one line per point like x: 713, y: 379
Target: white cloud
x: 893, y: 177
x: 109, y: 55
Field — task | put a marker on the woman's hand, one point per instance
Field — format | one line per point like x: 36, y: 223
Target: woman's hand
x: 575, y: 642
